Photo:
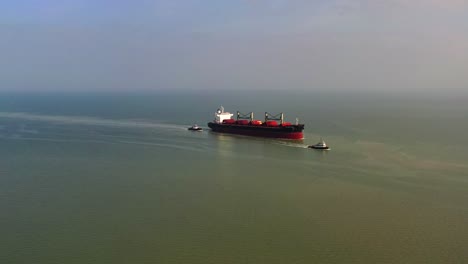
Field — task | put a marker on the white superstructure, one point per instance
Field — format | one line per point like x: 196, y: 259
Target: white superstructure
x: 220, y: 115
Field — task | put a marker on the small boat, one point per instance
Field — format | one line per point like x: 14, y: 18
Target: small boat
x: 321, y: 145
x: 195, y: 128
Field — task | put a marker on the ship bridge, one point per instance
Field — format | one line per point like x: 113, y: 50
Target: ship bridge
x: 220, y: 115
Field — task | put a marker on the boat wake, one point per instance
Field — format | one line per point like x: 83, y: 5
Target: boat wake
x: 86, y: 120
x: 292, y: 145
x: 159, y: 138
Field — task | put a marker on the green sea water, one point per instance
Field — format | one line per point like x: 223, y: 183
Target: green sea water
x: 97, y: 178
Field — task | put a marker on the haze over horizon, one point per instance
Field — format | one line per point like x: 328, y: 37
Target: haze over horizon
x: 338, y: 45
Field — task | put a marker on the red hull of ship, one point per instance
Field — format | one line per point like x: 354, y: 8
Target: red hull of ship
x: 268, y: 132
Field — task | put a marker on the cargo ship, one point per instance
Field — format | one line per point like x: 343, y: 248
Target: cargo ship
x: 273, y: 126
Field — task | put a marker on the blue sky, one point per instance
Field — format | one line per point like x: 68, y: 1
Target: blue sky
x: 115, y: 45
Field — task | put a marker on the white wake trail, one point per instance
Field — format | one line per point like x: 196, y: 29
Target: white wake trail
x: 85, y: 120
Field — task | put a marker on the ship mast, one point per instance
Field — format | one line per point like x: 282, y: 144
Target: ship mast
x: 245, y: 116
x: 278, y: 117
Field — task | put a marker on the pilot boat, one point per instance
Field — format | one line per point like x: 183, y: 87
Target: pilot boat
x: 320, y: 145
x: 195, y: 128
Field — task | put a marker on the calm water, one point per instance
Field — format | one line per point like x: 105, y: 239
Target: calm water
x: 119, y: 179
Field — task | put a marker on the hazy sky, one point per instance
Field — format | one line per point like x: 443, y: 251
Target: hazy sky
x: 381, y: 45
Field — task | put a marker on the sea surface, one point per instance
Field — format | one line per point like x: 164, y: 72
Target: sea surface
x: 117, y: 178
